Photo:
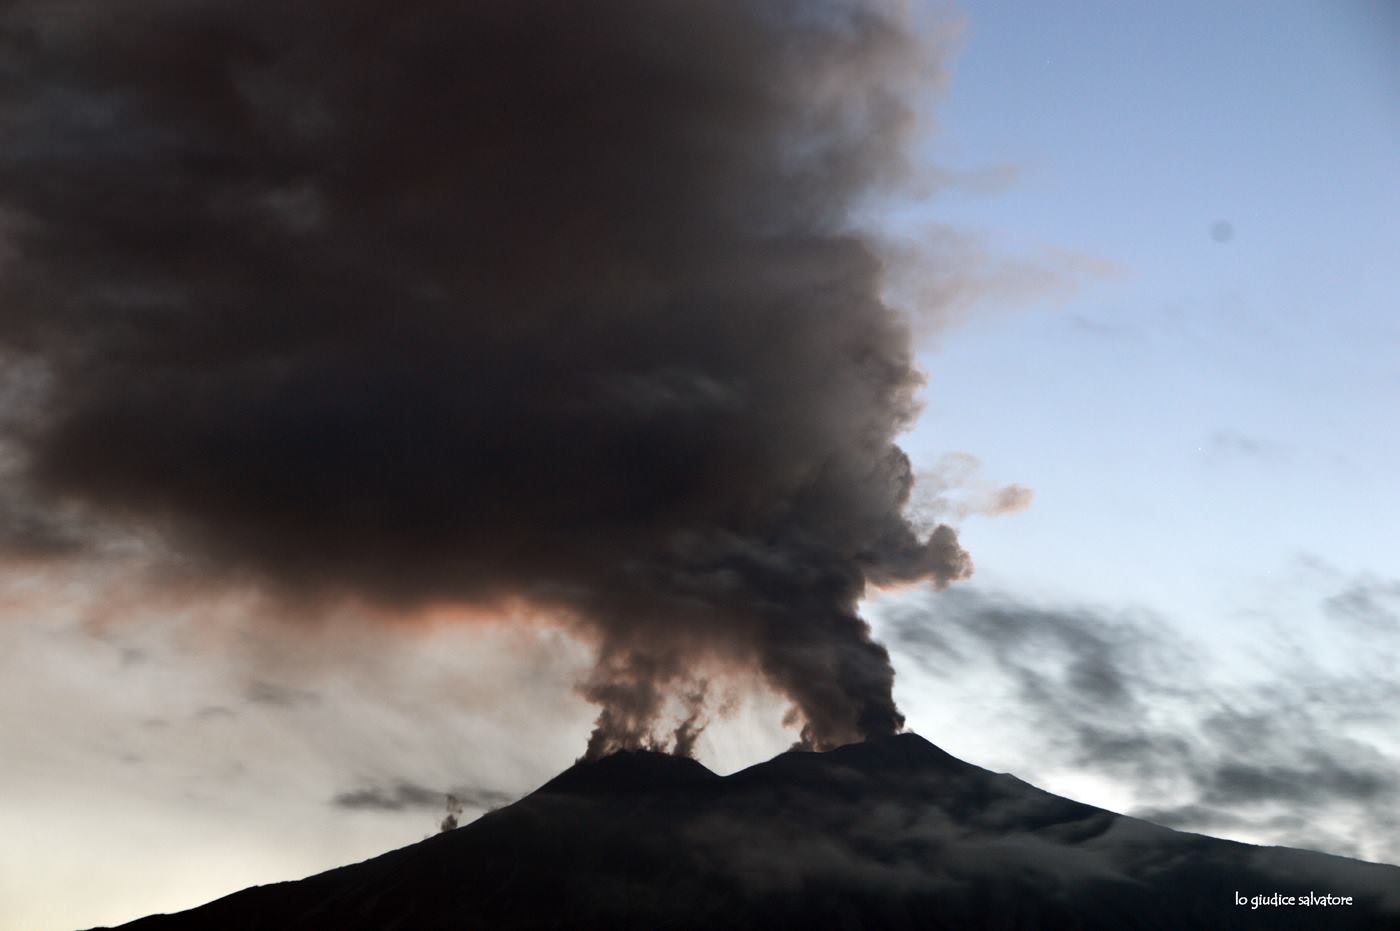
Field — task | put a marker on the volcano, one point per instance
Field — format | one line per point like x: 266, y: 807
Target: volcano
x: 892, y: 833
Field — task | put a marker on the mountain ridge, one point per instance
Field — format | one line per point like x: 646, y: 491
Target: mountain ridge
x: 891, y: 833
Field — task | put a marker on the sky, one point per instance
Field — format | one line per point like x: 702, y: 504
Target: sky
x: 1205, y: 422
x: 1171, y: 330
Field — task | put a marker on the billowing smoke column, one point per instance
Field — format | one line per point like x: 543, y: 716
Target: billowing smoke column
x: 425, y: 300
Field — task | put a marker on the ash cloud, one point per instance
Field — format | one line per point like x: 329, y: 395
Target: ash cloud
x: 424, y: 302
x: 955, y: 488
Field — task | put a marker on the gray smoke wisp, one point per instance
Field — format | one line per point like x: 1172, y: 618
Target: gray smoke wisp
x: 433, y: 302
x: 454, y: 811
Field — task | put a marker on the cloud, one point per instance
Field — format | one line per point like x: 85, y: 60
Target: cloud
x: 27, y: 533
x: 1368, y: 602
x: 419, y: 303
x: 402, y: 796
x: 1232, y: 446
x: 279, y: 695
x: 1119, y: 694
x: 942, y: 275
x: 954, y: 489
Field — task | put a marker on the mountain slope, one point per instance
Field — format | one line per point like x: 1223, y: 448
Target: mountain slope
x: 893, y: 833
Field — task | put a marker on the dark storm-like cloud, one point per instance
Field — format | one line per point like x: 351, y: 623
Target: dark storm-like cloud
x: 1120, y: 695
x: 430, y: 301
x: 409, y: 795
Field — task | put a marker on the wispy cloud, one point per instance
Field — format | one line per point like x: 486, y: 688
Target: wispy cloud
x: 1232, y: 445
x: 1371, y: 603
x: 955, y: 489
x: 943, y: 275
x: 410, y: 795
x: 1289, y: 758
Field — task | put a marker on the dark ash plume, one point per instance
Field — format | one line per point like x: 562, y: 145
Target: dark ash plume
x: 425, y: 301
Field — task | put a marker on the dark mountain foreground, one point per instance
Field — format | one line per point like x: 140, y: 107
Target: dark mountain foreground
x: 893, y: 833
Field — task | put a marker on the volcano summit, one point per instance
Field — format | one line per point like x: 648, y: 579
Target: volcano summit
x: 890, y: 833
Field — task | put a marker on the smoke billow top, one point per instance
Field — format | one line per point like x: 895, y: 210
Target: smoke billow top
x: 425, y: 301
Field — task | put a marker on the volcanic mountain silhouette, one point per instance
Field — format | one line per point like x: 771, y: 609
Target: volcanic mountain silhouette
x: 891, y: 833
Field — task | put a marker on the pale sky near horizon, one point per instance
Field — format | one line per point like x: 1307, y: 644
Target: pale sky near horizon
x: 1201, y: 401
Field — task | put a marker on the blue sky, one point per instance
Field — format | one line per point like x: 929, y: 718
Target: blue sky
x: 1213, y: 410
x: 1207, y: 421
